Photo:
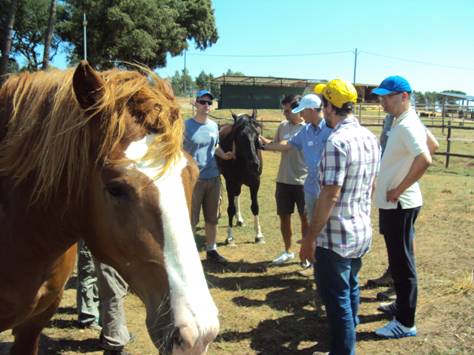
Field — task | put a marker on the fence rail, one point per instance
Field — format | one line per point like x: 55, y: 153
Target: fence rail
x: 449, y: 138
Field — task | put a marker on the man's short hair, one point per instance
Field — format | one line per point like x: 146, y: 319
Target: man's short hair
x: 289, y: 98
x: 346, y: 108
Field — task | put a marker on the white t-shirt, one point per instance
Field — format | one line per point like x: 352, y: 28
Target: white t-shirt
x: 406, y: 140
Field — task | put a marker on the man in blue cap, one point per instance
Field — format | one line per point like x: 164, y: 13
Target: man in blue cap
x: 201, y: 141
x: 398, y: 197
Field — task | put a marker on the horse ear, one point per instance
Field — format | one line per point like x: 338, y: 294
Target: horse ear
x: 88, y: 85
x: 254, y: 113
x: 234, y: 116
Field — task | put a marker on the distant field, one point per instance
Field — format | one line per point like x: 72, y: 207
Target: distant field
x: 272, y: 310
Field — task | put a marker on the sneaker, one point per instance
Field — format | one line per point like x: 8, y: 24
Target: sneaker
x: 394, y: 330
x: 283, y: 258
x: 306, y: 264
x: 388, y: 308
x: 91, y: 325
x: 214, y: 257
x: 388, y: 295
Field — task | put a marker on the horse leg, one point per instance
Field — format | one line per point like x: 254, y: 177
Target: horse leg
x: 259, y: 237
x: 240, y: 220
x: 231, y: 194
x: 27, y: 334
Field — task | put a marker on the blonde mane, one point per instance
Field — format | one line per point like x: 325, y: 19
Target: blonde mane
x: 46, y: 139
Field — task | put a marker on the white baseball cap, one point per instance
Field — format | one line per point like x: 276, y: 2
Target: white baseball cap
x: 308, y: 101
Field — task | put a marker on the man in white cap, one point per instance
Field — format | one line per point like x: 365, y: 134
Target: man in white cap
x: 310, y: 140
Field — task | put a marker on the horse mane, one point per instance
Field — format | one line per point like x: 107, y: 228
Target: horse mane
x: 45, y: 135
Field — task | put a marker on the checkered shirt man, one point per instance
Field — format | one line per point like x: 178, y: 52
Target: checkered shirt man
x: 350, y: 160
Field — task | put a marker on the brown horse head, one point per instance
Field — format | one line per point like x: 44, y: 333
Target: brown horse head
x: 100, y: 154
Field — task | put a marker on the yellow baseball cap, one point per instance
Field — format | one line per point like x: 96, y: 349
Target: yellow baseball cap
x: 318, y: 88
x: 337, y: 92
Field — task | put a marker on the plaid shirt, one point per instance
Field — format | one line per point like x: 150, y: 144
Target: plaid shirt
x: 350, y: 160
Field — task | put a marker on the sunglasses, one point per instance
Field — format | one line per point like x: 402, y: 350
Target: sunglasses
x: 294, y: 104
x: 204, y: 102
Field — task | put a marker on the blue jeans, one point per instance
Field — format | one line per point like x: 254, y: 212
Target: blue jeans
x: 336, y: 279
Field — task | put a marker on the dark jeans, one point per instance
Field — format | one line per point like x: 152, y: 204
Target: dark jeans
x: 398, y: 229
x: 336, y: 279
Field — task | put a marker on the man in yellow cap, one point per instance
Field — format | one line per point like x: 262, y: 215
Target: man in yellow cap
x: 340, y: 230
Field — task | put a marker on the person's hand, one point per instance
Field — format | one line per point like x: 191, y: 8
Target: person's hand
x: 393, y: 195
x: 307, y: 249
x: 264, y: 140
x: 228, y: 156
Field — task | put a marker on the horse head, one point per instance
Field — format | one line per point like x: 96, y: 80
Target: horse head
x: 141, y: 200
x: 245, y: 134
x: 100, y: 154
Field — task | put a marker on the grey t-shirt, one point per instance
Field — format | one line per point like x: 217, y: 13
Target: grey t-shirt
x: 292, y: 168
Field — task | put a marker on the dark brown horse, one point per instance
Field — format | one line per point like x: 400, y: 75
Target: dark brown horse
x: 245, y: 169
x: 97, y: 156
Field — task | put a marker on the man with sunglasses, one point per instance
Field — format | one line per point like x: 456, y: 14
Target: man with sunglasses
x: 201, y: 141
x: 291, y: 176
x: 310, y: 140
x: 398, y: 197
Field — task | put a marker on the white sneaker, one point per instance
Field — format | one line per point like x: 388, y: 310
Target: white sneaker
x: 394, y: 330
x: 283, y: 258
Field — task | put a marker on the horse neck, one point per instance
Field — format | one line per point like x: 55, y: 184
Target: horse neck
x: 35, y: 229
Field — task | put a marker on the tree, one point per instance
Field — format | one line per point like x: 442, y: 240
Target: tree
x: 29, y: 31
x: 49, y: 33
x: 233, y: 73
x: 419, y: 97
x: 206, y: 81
x: 6, y: 24
x: 182, y: 83
x: 141, y: 31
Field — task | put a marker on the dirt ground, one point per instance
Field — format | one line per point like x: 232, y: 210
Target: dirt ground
x: 274, y: 310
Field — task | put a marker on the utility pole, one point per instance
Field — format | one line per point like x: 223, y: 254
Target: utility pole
x: 184, y: 73
x: 355, y: 66
x: 84, y: 24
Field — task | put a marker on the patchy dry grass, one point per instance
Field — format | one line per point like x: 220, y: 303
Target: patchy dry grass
x: 273, y: 310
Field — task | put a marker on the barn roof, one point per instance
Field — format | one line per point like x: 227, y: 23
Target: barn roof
x: 265, y: 81
x: 457, y: 96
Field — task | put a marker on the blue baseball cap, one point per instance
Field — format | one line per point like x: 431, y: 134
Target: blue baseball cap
x: 204, y: 92
x: 392, y: 84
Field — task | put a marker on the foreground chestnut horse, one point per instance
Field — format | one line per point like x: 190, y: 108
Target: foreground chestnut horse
x: 97, y: 156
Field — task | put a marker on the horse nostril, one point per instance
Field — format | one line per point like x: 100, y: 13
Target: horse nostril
x: 184, y: 337
x: 176, y: 337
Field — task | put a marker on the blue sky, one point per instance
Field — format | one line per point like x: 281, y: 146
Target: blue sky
x: 428, y: 42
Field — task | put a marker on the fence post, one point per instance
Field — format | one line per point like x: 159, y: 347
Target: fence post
x: 443, y: 112
x: 448, y: 144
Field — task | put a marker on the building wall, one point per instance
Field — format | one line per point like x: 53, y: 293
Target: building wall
x: 249, y: 96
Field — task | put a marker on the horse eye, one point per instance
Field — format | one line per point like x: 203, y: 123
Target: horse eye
x: 117, y: 190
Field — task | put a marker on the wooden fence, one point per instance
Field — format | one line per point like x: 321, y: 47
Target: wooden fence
x: 449, y: 120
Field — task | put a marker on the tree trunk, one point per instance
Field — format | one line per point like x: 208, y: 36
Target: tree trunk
x: 49, y: 34
x: 7, y: 40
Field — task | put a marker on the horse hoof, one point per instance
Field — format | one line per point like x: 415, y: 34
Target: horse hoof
x: 230, y: 242
x: 240, y: 224
x: 260, y: 240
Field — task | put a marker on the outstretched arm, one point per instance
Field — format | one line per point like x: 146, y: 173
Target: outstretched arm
x: 280, y: 146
